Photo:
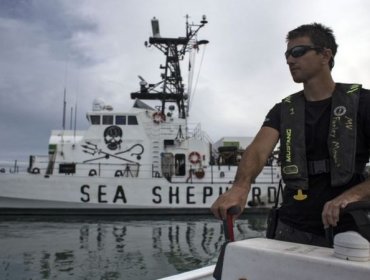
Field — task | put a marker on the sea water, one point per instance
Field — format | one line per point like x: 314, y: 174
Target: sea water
x: 113, y: 247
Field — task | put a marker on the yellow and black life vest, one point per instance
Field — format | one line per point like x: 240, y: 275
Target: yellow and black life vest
x: 341, y: 138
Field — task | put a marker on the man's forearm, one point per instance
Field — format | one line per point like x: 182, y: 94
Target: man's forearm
x: 358, y: 192
x: 249, y: 167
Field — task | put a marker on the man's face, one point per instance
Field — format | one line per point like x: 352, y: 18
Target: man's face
x: 308, y: 62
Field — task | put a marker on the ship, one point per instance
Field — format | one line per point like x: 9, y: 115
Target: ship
x: 147, y: 160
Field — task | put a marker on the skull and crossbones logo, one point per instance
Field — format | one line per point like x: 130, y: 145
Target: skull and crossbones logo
x: 113, y: 137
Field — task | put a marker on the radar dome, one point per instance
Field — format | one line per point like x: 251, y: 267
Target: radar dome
x: 98, y: 104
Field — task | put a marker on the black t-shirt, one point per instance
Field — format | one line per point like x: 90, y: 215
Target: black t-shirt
x: 306, y: 215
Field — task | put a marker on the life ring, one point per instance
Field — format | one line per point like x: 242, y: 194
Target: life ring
x: 92, y: 172
x: 159, y: 117
x: 194, y: 157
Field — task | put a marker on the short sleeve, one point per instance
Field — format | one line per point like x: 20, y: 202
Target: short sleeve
x: 273, y: 117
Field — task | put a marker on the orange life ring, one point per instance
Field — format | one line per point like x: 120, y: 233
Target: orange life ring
x: 194, y: 157
x: 159, y: 117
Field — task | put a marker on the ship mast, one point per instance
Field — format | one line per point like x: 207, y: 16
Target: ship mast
x: 171, y: 88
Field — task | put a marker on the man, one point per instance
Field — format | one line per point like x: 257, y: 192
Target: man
x: 324, y: 134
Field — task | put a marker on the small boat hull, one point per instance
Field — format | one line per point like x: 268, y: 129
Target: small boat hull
x: 261, y: 259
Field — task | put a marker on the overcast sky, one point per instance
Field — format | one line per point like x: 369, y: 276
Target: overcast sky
x: 95, y: 48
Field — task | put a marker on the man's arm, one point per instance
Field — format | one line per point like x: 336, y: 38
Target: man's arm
x: 253, y: 160
x: 331, y: 210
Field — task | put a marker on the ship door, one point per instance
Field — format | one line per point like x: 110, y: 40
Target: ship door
x: 167, y: 165
x: 180, y: 168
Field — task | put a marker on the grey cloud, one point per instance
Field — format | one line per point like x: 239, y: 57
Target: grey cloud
x: 95, y: 48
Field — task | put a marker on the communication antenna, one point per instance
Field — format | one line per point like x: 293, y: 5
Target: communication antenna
x: 171, y: 88
x: 75, y: 122
x: 71, y: 119
x: 64, y: 110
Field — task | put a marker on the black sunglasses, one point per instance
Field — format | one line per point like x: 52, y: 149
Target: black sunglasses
x: 299, y: 51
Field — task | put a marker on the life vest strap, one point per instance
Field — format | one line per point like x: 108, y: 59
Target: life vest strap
x: 316, y: 167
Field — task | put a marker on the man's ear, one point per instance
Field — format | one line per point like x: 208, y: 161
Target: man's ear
x: 328, y: 57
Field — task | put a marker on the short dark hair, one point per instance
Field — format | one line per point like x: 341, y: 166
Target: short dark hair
x: 320, y: 35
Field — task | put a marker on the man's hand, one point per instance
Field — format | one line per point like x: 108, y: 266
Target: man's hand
x: 331, y: 211
x: 236, y: 196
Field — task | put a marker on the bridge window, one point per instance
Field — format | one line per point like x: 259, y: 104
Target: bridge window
x: 132, y: 120
x: 120, y: 120
x: 107, y: 119
x: 95, y: 119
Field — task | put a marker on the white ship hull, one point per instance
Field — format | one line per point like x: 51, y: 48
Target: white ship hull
x: 37, y: 194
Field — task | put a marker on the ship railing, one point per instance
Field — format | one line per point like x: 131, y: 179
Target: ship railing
x: 37, y: 163
x: 15, y: 166
x: 212, y: 173
x: 189, y: 130
x: 41, y: 165
x: 195, y: 131
x: 99, y: 169
x: 226, y: 174
x: 128, y: 170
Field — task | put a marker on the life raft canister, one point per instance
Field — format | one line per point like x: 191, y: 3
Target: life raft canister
x: 159, y: 117
x: 194, y: 157
x: 199, y: 173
